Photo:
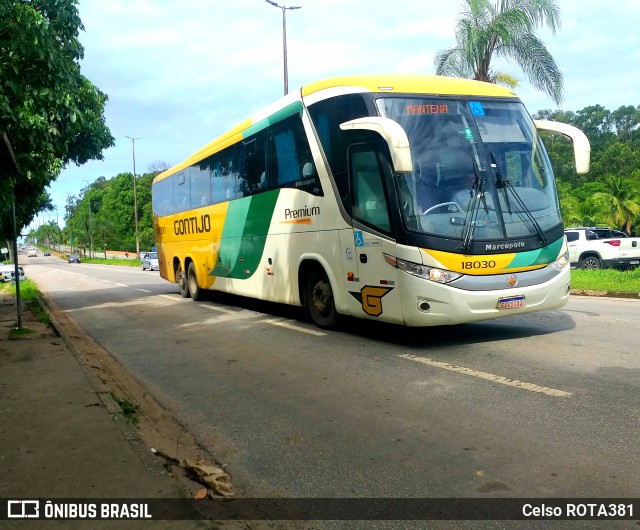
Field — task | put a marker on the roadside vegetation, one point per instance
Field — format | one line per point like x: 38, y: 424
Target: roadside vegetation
x: 114, y: 261
x: 606, y: 280
x: 29, y: 293
x: 129, y: 409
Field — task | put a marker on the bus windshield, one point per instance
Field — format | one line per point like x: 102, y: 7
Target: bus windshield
x: 479, y: 169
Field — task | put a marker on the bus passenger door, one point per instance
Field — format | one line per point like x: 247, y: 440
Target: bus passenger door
x: 374, y: 284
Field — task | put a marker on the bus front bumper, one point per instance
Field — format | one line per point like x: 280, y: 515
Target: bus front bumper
x: 433, y: 304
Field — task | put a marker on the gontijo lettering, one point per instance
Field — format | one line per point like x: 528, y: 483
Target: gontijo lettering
x: 192, y: 225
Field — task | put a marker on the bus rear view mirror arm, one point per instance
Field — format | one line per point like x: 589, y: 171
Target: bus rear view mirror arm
x: 393, y: 134
x: 581, y: 146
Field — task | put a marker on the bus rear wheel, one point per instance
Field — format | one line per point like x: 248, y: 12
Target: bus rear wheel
x: 183, y: 286
x: 320, y: 301
x: 192, y: 280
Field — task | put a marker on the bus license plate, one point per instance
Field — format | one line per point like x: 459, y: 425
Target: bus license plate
x: 511, y: 302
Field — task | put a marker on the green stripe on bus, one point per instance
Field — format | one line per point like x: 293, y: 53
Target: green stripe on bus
x: 542, y: 256
x: 277, y: 116
x: 244, y: 235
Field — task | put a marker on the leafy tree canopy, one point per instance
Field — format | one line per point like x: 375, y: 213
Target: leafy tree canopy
x: 504, y: 29
x: 51, y: 113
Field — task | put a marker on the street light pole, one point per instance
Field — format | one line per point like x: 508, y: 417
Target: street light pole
x: 135, y: 193
x: 284, y: 40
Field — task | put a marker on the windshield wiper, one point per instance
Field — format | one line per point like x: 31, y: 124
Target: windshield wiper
x: 474, y: 207
x: 504, y: 184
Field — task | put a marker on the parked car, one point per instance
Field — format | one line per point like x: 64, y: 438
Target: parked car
x: 46, y: 253
x: 150, y: 261
x: 602, y: 247
x: 33, y: 253
x: 8, y: 273
x: 74, y: 259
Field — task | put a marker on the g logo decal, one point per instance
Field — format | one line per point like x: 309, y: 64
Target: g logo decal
x: 370, y: 296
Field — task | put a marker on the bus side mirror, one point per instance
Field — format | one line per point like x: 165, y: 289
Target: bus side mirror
x: 393, y: 134
x: 581, y: 146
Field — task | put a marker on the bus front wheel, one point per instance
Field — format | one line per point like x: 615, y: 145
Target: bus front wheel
x: 192, y: 279
x: 320, y: 301
x: 183, y: 286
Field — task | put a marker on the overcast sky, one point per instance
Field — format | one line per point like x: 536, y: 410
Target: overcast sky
x: 180, y: 73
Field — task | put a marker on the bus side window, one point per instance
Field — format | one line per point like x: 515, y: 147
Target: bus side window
x: 369, y: 200
x: 200, y: 189
x: 222, y: 175
x: 253, y: 164
x: 290, y: 161
x: 182, y: 192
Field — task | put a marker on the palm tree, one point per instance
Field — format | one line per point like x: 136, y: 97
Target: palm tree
x: 622, y: 199
x: 506, y: 30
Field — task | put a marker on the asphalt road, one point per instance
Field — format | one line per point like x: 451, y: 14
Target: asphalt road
x: 543, y: 405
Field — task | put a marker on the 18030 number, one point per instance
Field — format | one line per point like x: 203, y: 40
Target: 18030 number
x: 480, y: 264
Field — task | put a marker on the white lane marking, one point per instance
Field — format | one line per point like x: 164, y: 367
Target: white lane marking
x: 122, y: 285
x: 245, y: 313
x: 294, y: 327
x: 106, y: 281
x: 489, y: 377
x: 143, y: 290
x: 74, y: 273
x: 173, y: 297
x: 221, y: 309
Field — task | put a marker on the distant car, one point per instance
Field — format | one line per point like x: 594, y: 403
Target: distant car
x: 8, y: 273
x: 46, y: 253
x: 150, y: 261
x: 74, y: 259
x: 33, y: 253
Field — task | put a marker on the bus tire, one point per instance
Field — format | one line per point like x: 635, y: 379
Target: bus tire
x: 183, y: 285
x: 192, y: 282
x: 320, y: 300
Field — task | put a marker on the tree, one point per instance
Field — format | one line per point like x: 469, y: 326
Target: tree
x: 506, y: 30
x: 51, y: 113
x: 622, y: 198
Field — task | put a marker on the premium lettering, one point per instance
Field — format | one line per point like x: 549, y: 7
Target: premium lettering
x: 192, y: 225
x: 301, y: 212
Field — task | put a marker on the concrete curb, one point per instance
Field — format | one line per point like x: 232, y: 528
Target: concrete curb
x: 609, y: 294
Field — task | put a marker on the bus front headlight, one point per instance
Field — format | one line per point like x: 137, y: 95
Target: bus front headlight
x: 422, y: 271
x: 561, y: 262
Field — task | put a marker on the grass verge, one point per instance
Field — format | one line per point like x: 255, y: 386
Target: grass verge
x: 606, y: 280
x: 136, y: 262
x: 29, y: 293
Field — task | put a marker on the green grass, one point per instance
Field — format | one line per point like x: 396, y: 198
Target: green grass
x: 17, y: 333
x: 137, y: 262
x: 28, y: 290
x: 128, y: 408
x: 606, y: 280
x: 28, y: 293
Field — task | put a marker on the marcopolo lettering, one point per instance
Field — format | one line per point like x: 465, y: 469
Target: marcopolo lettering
x: 301, y: 212
x: 192, y: 225
x: 505, y: 246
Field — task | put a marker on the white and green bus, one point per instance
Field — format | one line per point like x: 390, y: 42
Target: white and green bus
x: 412, y: 199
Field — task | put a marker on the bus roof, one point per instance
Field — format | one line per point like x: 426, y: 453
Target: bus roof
x: 318, y: 90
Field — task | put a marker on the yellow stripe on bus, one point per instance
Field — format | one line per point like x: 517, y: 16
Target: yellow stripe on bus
x: 478, y: 265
